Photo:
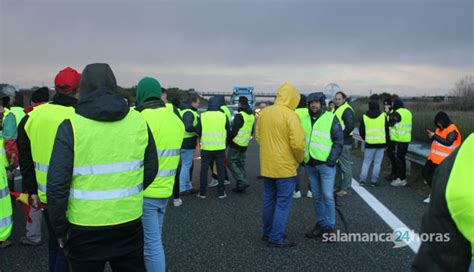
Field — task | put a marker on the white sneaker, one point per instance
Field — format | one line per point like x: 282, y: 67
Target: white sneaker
x: 226, y: 182
x: 200, y: 196
x: 427, y: 200
x: 309, y: 194
x: 398, y: 182
x: 222, y: 196
x: 177, y: 202
x: 214, y: 183
x: 297, y: 194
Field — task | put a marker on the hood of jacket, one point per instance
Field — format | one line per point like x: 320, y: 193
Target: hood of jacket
x: 147, y: 88
x: 374, y: 109
x: 214, y: 103
x: 245, y: 108
x: 398, y: 104
x: 220, y: 100
x: 98, y: 99
x: 287, y: 96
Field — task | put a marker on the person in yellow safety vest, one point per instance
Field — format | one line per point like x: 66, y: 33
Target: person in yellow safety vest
x: 213, y: 128
x: 302, y: 112
x: 345, y: 114
x: 6, y: 220
x: 324, y: 140
x: 8, y: 134
x: 444, y: 141
x: 239, y: 139
x: 450, y: 216
x: 36, y: 135
x: 33, y: 226
x: 400, y: 125
x: 190, y: 116
x: 373, y: 130
x: 168, y: 133
x: 103, y: 158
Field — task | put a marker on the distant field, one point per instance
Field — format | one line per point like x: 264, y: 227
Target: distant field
x: 423, y: 119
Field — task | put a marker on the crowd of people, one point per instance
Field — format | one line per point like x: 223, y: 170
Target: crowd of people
x: 100, y: 172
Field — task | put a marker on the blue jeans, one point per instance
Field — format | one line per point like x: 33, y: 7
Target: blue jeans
x: 375, y: 155
x: 277, y: 198
x: 321, y: 178
x: 187, y: 157
x: 152, y: 219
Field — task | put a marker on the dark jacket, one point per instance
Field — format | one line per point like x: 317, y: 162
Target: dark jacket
x: 98, y: 101
x: 348, y: 118
x: 374, y: 113
x: 188, y: 120
x: 237, y: 123
x: 337, y: 137
x: 27, y: 167
x: 213, y: 105
x: 395, y: 117
x: 452, y: 255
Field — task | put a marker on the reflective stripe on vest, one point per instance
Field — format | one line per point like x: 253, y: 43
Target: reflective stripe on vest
x: 41, y: 127
x: 168, y: 133
x: 195, y: 121
x: 460, y: 191
x: 375, y: 129
x: 6, y: 223
x: 107, y: 183
x: 401, y: 131
x: 213, y: 131
x: 440, y: 151
x: 340, y: 111
x: 245, y: 132
x: 318, y: 142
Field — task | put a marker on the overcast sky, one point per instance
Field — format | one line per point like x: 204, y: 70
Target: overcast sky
x: 405, y: 47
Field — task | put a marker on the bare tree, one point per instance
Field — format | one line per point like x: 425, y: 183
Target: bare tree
x: 464, y: 93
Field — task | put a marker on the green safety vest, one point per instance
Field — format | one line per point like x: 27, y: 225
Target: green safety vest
x: 375, y: 129
x: 6, y: 222
x: 41, y: 128
x: 168, y: 133
x: 340, y: 111
x: 302, y: 113
x: 195, y: 121
x: 401, y: 131
x: 169, y: 107
x: 460, y: 192
x: 19, y: 114
x: 107, y: 182
x: 245, y: 132
x: 318, y: 142
x: 213, y: 131
x: 227, y: 112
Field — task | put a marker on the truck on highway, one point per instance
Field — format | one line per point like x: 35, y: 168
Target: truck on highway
x: 246, y: 91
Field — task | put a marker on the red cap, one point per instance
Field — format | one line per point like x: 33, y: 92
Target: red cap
x: 67, y: 80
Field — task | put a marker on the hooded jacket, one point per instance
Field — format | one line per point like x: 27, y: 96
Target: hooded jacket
x: 280, y: 135
x: 98, y: 101
x: 214, y: 105
x: 395, y: 117
x: 237, y: 123
x: 373, y: 113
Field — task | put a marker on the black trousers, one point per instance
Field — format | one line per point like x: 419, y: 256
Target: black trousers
x: 176, y: 182
x: 428, y: 171
x: 208, y: 158
x: 89, y: 249
x: 392, y: 156
x: 397, y: 153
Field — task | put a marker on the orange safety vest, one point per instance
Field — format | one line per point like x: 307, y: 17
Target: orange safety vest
x: 439, y: 152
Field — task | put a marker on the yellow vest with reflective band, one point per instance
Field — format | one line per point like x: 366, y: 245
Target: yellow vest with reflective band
x: 41, y: 128
x: 19, y: 114
x: 168, y: 133
x: 6, y: 222
x: 245, y: 132
x: 460, y: 192
x: 169, y: 107
x: 375, y: 129
x: 227, y: 112
x: 3, y: 152
x: 302, y: 113
x: 214, y: 134
x: 401, y: 131
x: 195, y: 121
x: 340, y: 111
x: 318, y: 142
x: 107, y: 182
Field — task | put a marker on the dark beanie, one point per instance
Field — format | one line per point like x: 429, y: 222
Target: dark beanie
x: 374, y: 105
x: 303, y: 100
x: 243, y: 100
x: 41, y: 95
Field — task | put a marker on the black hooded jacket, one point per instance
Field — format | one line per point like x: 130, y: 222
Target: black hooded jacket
x: 188, y: 120
x: 395, y: 117
x: 213, y: 105
x: 373, y: 113
x: 237, y: 123
x: 98, y: 101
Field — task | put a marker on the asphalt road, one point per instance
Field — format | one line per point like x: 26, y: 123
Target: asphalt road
x: 224, y: 234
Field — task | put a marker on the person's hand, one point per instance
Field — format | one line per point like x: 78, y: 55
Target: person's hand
x: 430, y: 133
x: 35, y: 201
x: 61, y: 242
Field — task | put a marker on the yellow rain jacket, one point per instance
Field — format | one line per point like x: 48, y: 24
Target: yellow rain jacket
x: 280, y: 135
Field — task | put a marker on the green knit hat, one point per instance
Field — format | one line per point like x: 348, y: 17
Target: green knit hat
x: 148, y: 87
